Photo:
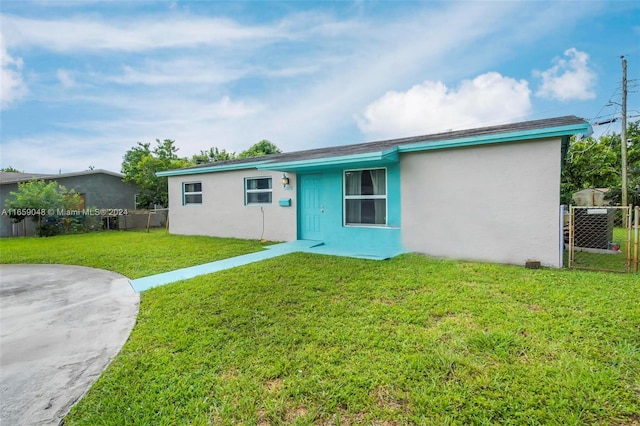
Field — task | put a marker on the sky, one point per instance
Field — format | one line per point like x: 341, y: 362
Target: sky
x: 84, y: 81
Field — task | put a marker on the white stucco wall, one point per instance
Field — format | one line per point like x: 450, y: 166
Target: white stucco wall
x: 495, y: 203
x: 223, y: 212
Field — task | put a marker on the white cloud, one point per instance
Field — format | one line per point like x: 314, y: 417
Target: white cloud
x: 42, y: 153
x: 12, y: 87
x: 197, y: 71
x: 568, y: 79
x: 225, y: 123
x: 81, y: 34
x: 177, y: 71
x: 226, y: 108
x: 314, y: 24
x: 433, y: 107
x: 160, y: 110
x: 65, y: 78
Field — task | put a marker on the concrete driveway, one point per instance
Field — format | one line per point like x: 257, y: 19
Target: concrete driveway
x: 60, y: 326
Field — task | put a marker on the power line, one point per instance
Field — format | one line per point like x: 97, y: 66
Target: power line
x: 600, y: 123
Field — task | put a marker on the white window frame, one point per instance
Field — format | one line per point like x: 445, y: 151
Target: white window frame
x: 185, y: 193
x: 346, y: 197
x: 254, y: 191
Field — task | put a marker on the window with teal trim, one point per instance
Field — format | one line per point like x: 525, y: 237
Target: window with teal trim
x: 257, y: 191
x: 365, y: 197
x: 191, y: 193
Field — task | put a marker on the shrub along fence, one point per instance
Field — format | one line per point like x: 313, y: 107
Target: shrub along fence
x: 58, y: 222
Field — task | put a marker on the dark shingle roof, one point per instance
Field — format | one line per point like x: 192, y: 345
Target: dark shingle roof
x: 377, y: 146
x: 6, y: 177
x: 11, y: 177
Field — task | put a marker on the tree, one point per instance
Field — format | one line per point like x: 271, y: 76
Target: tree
x: 10, y: 170
x: 592, y: 163
x: 141, y: 164
x: 212, y: 155
x: 264, y: 147
x: 41, y: 202
x: 633, y: 165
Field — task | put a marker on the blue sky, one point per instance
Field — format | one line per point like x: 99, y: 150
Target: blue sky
x: 84, y: 81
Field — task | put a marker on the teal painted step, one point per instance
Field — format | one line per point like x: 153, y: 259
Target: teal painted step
x: 374, y: 253
x: 142, y: 284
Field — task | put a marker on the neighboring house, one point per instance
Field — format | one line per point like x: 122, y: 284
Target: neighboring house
x: 489, y: 194
x: 101, y: 189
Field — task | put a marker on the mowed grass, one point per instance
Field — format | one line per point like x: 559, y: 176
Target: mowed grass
x: 130, y: 253
x: 611, y: 261
x: 319, y: 340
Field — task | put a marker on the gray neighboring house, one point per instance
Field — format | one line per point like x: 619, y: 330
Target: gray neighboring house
x: 99, y: 188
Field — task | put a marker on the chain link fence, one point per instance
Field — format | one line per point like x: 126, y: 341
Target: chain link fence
x: 603, y: 238
x: 144, y: 219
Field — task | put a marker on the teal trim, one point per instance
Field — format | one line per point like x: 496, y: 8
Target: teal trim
x: 211, y: 169
x: 358, y: 238
x: 500, y: 138
x: 390, y: 156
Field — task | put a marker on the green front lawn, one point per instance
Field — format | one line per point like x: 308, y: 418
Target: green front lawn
x: 130, y: 253
x: 311, y: 339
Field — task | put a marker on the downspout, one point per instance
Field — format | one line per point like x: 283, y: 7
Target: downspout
x: 564, y: 149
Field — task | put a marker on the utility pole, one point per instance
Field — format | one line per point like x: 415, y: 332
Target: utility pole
x: 623, y: 142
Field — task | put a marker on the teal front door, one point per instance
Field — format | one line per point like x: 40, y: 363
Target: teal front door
x: 311, y: 207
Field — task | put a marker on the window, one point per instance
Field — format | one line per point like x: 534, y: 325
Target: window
x: 191, y: 193
x: 81, y: 201
x: 365, y: 197
x: 257, y: 191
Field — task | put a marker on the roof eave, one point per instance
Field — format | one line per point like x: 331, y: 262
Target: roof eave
x: 392, y: 154
x: 387, y: 156
x: 568, y: 130
x: 52, y: 177
x: 210, y: 169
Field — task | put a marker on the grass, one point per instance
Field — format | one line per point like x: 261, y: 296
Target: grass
x: 606, y: 261
x: 309, y: 339
x: 130, y: 253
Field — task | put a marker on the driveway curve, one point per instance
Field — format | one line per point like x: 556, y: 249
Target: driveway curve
x: 60, y: 327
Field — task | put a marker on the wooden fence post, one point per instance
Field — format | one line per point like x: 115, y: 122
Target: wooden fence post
x: 636, y: 237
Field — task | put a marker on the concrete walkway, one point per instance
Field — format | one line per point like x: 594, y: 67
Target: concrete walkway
x: 142, y: 284
x: 307, y: 246
x: 60, y: 328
